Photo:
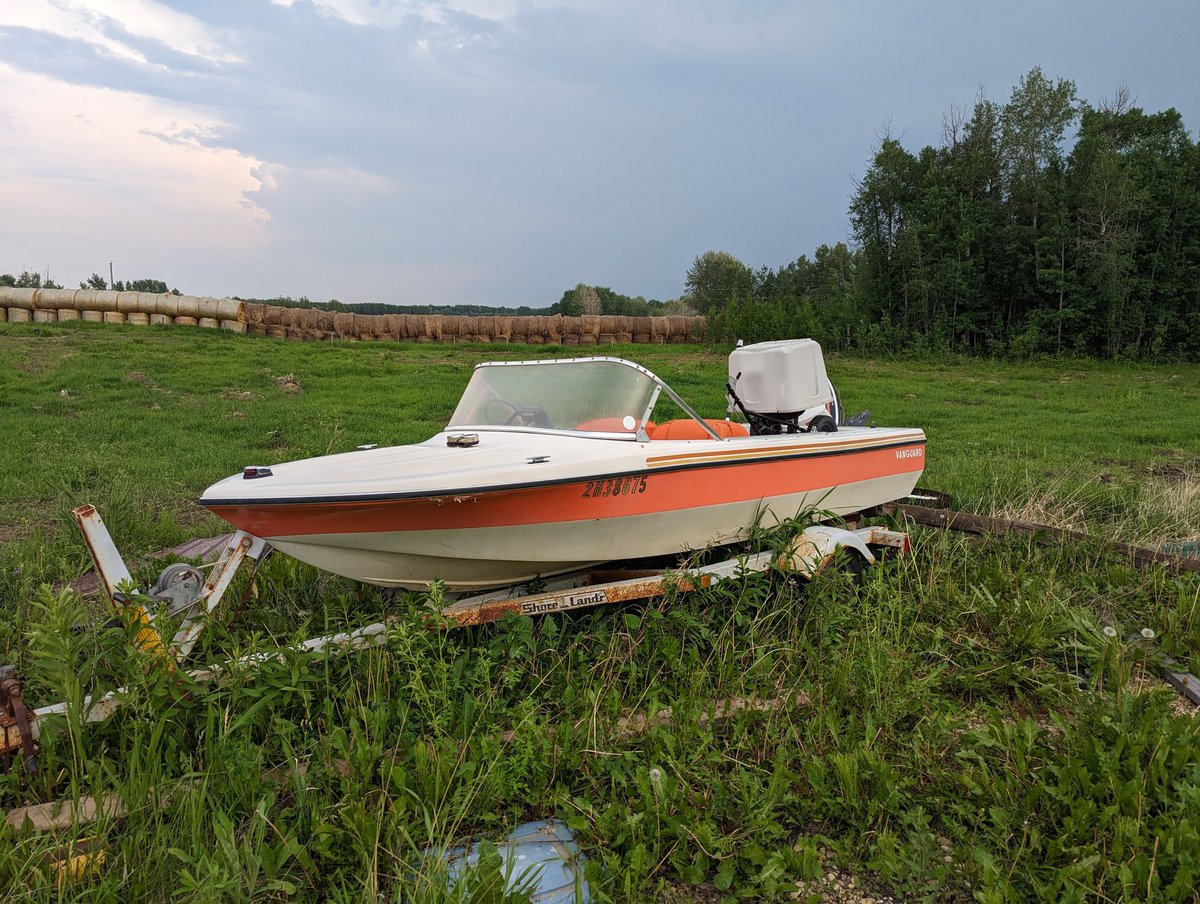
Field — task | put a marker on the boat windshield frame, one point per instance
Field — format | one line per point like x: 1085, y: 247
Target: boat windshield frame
x: 472, y: 399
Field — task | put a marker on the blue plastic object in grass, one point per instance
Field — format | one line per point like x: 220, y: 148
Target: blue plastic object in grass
x: 540, y: 857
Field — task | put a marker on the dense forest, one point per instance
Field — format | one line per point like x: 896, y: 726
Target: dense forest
x: 1002, y: 240
x: 1044, y: 225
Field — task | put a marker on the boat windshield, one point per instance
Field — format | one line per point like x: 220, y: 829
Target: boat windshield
x: 590, y: 395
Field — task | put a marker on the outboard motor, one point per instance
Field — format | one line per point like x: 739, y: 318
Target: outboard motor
x: 776, y: 386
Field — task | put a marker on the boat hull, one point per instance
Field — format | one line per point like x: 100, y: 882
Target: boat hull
x: 671, y: 498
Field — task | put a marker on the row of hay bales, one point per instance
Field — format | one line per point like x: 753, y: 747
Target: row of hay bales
x: 597, y: 329
x: 52, y: 305
x: 100, y: 306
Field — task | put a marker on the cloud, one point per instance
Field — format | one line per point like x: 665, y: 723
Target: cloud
x: 116, y: 26
x: 99, y: 170
x: 500, y: 149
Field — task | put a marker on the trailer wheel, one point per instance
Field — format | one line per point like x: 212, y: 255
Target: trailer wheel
x: 842, y: 575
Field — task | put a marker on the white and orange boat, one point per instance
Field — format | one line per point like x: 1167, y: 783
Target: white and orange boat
x: 552, y: 466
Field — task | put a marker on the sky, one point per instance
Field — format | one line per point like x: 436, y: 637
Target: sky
x: 500, y: 151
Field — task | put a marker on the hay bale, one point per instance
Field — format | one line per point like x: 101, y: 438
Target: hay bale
x: 277, y: 332
x: 678, y: 327
x: 166, y: 305
x: 624, y: 337
x: 16, y: 298
x: 538, y: 339
x: 67, y: 314
x: 210, y: 323
x: 91, y: 316
x: 607, y: 338
x: 113, y: 317
x: 587, y: 339
x: 81, y: 300
x: 185, y: 320
x: 623, y: 324
x: 660, y: 329
x: 41, y: 316
x: 453, y: 326
x: 138, y: 318
x: 640, y: 325
x: 390, y: 326
x: 364, y: 326
x: 291, y: 318
x: 19, y: 315
x: 589, y: 326
x: 520, y: 329
x: 273, y: 315
x: 257, y: 329
x: 433, y: 326
x: 53, y: 298
x: 149, y: 301
x: 234, y: 326
x: 503, y: 329
x: 570, y: 339
x: 255, y: 313
x: 160, y: 320
x: 641, y: 338
x: 325, y: 322
x: 554, y: 328
x: 129, y: 303
x: 101, y: 301
x: 608, y: 323
x: 571, y: 326
x: 343, y: 325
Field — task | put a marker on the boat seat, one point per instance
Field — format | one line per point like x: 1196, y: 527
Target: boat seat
x: 686, y: 428
x: 611, y: 425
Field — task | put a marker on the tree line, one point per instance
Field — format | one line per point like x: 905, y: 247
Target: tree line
x: 30, y: 279
x: 1000, y: 240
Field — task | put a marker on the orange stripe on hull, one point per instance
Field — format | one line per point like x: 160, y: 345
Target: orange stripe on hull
x: 582, y: 500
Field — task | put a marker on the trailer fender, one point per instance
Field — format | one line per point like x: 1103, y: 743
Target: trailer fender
x: 814, y: 548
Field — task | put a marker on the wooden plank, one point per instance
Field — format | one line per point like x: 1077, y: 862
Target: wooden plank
x: 1042, y: 534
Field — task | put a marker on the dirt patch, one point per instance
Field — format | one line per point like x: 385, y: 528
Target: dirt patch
x: 239, y: 395
x: 1167, y: 471
x: 288, y: 383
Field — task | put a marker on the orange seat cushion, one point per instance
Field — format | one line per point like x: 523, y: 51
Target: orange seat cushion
x: 611, y: 425
x: 686, y: 428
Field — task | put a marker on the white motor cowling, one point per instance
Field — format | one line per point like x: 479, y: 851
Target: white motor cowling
x: 778, y: 384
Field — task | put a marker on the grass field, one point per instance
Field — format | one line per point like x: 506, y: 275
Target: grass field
x: 964, y: 729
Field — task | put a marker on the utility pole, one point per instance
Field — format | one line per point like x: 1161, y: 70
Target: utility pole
x: 111, y: 282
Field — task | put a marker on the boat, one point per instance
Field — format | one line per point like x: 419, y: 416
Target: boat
x: 551, y: 466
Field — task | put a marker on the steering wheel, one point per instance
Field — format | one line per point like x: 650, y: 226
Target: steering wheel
x: 503, y: 412
x: 499, y: 411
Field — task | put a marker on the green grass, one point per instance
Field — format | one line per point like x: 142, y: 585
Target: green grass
x: 934, y: 738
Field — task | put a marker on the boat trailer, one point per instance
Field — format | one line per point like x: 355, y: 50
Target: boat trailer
x: 183, y: 591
